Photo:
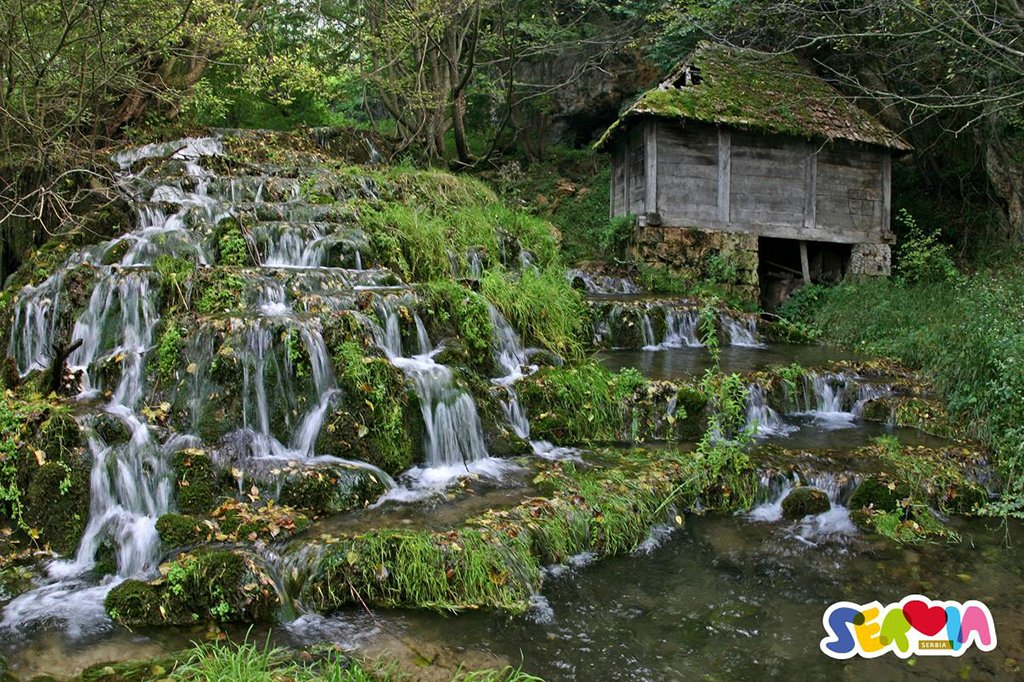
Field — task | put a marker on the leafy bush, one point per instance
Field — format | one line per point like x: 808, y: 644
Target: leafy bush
x: 921, y: 257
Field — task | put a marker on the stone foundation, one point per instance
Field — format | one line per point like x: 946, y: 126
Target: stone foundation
x: 870, y: 260
x: 730, y: 259
x: 726, y: 258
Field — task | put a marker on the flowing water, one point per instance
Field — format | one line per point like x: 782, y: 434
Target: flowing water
x: 725, y: 597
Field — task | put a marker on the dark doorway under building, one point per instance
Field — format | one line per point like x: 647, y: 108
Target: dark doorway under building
x: 785, y: 265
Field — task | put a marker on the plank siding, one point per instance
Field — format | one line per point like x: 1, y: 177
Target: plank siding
x: 687, y: 165
x: 636, y: 164
x: 696, y: 175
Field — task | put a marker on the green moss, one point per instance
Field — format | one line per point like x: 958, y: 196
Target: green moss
x: 803, y: 501
x: 211, y: 585
x: 334, y: 490
x: 168, y: 351
x: 57, y: 503
x: 111, y: 429
x: 59, y: 435
x: 231, y: 247
x: 179, y: 530
x: 492, y: 560
x: 771, y: 93
x: 377, y: 419
x: 220, y: 292
x: 197, y: 481
x: 133, y: 603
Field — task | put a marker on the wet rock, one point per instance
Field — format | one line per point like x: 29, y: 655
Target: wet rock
x: 111, y: 429
x: 328, y: 487
x: 805, y: 501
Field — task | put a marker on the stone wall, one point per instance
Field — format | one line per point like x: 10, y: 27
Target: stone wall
x: 727, y: 258
x: 870, y: 260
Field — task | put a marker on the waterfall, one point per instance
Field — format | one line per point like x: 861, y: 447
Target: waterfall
x: 648, y: 331
x: 762, y: 419
x: 513, y: 360
x: 834, y: 524
x: 742, y: 333
x: 453, y: 435
x: 836, y: 400
x: 681, y: 329
x: 131, y: 484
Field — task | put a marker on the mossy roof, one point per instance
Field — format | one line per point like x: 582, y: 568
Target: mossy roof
x: 771, y: 93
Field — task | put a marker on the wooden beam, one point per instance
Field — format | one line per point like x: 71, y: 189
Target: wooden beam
x: 651, y: 160
x: 886, y: 194
x: 724, y: 173
x: 811, y: 187
x: 805, y: 263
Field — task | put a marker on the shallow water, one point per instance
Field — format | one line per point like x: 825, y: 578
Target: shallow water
x: 731, y: 598
x: 682, y: 363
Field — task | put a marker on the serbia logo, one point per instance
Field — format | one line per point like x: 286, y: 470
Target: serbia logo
x: 915, y: 626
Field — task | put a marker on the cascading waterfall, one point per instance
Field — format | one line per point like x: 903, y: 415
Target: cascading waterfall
x: 812, y: 530
x: 742, y: 332
x: 453, y: 435
x: 762, y: 419
x: 837, y: 398
x: 130, y: 483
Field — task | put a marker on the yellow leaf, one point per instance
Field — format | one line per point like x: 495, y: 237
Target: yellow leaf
x: 192, y: 368
x: 40, y: 457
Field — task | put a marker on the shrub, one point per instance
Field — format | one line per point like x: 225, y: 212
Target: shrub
x: 921, y: 257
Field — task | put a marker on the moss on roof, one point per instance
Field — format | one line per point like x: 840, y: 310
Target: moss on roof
x: 772, y: 93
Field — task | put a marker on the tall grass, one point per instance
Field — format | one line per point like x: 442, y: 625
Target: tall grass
x: 966, y: 334
x: 542, y: 305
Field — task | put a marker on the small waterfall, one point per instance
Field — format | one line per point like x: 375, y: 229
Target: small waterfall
x: 453, y: 435
x: 681, y: 329
x: 648, y: 332
x: 837, y: 399
x: 598, y: 284
x: 34, y: 326
x: 834, y: 524
x: 762, y: 419
x: 742, y: 333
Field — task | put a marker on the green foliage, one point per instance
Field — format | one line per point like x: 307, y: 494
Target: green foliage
x: 220, y: 293
x: 616, y: 235
x: 232, y: 248
x: 454, y: 308
x: 542, y: 305
x: 966, y: 335
x: 11, y: 420
x: 168, y: 351
x: 921, y: 257
x: 378, y: 393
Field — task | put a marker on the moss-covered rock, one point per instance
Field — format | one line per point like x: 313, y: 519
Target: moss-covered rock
x: 59, y: 435
x: 878, y: 494
x: 211, y: 585
x: 329, y: 488
x: 197, y: 480
x: 134, y: 603
x: 804, y: 501
x: 111, y: 429
x: 231, y: 247
x: 57, y: 503
x: 179, y: 530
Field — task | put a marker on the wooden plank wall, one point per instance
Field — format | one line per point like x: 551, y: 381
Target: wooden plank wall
x: 636, y: 168
x: 696, y: 175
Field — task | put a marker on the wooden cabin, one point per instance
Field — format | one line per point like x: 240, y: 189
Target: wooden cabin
x: 747, y: 168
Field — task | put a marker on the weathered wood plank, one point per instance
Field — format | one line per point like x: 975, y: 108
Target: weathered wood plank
x: 810, y: 188
x: 724, y: 173
x: 651, y: 171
